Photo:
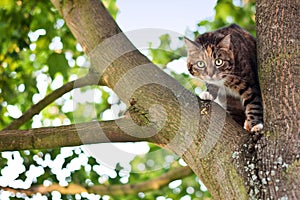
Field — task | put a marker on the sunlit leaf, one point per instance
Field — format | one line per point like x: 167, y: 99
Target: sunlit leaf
x: 57, y: 63
x: 7, y: 4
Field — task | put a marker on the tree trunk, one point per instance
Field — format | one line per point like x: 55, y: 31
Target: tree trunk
x: 278, y: 28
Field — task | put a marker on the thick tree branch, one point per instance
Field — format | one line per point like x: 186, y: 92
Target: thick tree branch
x: 69, y: 135
x: 35, y: 109
x: 112, y: 190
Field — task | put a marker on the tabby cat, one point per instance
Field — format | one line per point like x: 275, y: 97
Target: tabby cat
x: 226, y: 60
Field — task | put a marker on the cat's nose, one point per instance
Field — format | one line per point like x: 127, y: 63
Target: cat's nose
x: 210, y: 74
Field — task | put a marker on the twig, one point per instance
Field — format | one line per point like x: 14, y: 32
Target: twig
x: 113, y: 190
x: 35, y: 109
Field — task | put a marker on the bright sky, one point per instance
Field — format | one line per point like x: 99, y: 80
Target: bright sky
x: 173, y: 15
x: 146, y: 20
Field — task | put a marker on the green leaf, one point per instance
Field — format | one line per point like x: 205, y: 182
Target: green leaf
x: 7, y: 4
x: 57, y: 63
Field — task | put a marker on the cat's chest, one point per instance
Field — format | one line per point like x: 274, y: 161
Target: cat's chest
x: 229, y: 92
x: 228, y: 99
x: 223, y: 89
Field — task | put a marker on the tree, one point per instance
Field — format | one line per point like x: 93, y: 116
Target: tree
x: 232, y: 163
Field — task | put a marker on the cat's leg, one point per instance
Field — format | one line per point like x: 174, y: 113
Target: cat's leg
x: 254, y: 112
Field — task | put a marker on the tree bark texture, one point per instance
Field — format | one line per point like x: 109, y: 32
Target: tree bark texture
x: 68, y: 135
x: 278, y: 38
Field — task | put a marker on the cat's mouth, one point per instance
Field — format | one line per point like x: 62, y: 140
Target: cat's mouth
x: 215, y: 80
x: 211, y: 78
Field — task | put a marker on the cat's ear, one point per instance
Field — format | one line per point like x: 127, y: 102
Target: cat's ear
x: 191, y: 46
x: 225, y: 42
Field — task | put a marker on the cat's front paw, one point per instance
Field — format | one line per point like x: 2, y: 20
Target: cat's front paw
x: 206, y: 96
x: 255, y: 128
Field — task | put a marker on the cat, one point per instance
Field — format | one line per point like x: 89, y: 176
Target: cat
x: 226, y: 60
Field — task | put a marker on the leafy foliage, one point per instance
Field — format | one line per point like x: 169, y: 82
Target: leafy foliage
x: 37, y: 55
x: 227, y: 12
x: 164, y: 53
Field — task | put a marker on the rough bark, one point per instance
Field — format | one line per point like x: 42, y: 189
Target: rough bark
x: 69, y: 135
x: 278, y: 27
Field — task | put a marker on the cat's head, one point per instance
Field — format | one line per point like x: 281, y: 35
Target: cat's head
x: 210, y: 62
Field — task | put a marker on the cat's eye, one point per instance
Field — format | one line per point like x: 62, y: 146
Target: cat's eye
x: 201, y: 64
x: 219, y: 62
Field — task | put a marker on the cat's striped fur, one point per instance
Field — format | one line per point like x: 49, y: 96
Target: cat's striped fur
x: 226, y: 60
